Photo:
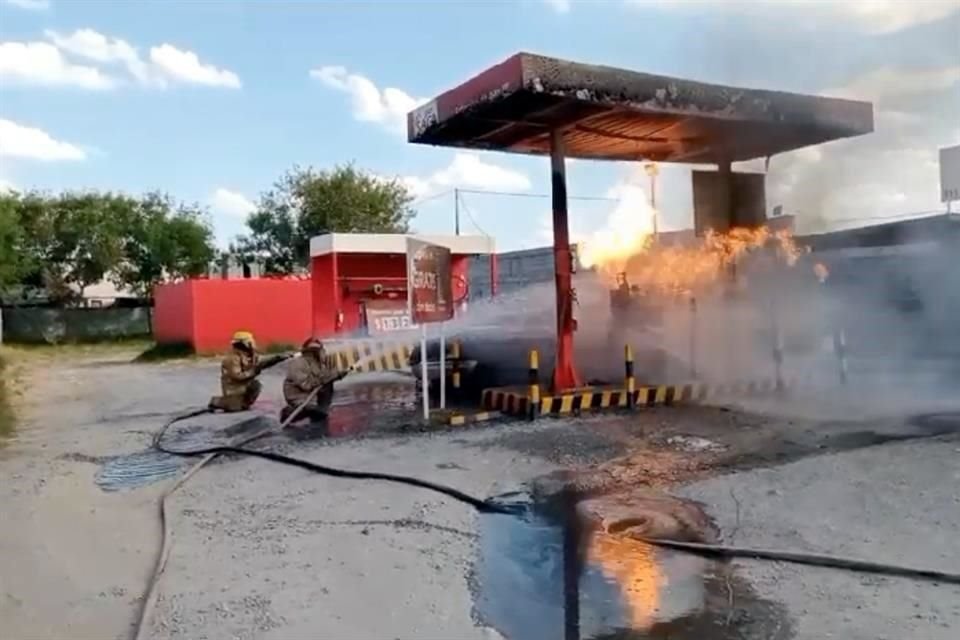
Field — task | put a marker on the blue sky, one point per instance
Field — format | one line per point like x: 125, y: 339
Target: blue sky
x: 212, y: 101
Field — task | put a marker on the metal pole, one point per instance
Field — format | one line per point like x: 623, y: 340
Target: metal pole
x: 571, y: 566
x: 693, y: 337
x: 564, y: 373
x: 653, y: 206
x: 443, y: 368
x: 777, y: 343
x: 456, y: 211
x: 425, y: 384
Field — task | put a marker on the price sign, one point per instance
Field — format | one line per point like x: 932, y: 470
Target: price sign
x: 429, y: 286
x: 387, y: 317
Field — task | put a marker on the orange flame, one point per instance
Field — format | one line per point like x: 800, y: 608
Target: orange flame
x: 683, y: 270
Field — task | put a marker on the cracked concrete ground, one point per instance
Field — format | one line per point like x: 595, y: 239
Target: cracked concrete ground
x: 267, y: 551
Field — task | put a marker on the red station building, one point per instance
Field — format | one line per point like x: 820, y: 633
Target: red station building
x: 357, y: 287
x: 359, y: 280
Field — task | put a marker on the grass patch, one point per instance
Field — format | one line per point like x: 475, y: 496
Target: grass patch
x: 80, y: 348
x: 167, y: 351
x: 6, y: 411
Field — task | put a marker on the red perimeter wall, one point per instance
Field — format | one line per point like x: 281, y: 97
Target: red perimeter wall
x: 173, y: 312
x: 205, y: 313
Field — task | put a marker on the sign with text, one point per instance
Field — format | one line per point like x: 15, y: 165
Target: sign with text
x: 387, y: 316
x: 429, y: 286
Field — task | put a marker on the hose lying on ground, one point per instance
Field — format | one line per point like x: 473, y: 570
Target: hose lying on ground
x: 482, y: 506
x: 799, y: 557
x: 209, y: 453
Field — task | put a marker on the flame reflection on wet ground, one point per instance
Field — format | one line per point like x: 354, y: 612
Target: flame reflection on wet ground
x: 627, y: 589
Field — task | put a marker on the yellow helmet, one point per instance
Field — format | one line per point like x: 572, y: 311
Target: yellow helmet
x: 245, y: 338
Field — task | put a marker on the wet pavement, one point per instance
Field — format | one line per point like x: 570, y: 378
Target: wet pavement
x: 363, y: 407
x: 627, y: 590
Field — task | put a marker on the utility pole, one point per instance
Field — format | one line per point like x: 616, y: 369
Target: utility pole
x: 652, y: 171
x: 456, y: 211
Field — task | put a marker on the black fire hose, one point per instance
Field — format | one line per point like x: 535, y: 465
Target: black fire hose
x: 483, y: 506
x: 209, y: 453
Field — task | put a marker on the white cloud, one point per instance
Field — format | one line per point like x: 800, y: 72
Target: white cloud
x: 467, y: 171
x: 874, y: 16
x: 231, y: 203
x: 19, y: 141
x: 92, y: 45
x: 41, y: 63
x: 560, y: 6
x: 387, y: 107
x: 229, y: 211
x: 185, y: 66
x: 6, y: 185
x: 892, y: 82
x: 53, y: 63
x: 29, y: 5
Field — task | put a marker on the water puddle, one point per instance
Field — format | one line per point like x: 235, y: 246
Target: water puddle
x: 627, y: 590
x: 360, y: 408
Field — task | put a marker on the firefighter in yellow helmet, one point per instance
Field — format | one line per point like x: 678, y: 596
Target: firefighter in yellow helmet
x: 311, y: 371
x: 238, y: 374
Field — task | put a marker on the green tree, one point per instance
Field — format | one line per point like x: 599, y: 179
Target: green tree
x: 163, y: 240
x: 305, y: 203
x: 67, y: 242
x: 14, y: 263
x: 71, y: 240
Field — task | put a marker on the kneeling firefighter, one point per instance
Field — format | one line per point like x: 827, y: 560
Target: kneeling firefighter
x: 305, y: 374
x: 238, y: 374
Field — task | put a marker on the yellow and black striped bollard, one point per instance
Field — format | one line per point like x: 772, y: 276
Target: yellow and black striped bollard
x: 455, y: 355
x: 629, y: 382
x: 533, y: 391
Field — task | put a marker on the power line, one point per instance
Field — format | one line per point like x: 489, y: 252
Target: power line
x: 469, y: 213
x: 915, y: 214
x: 431, y: 197
x: 516, y: 194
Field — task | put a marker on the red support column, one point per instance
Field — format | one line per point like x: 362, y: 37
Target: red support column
x: 565, y: 372
x: 494, y: 275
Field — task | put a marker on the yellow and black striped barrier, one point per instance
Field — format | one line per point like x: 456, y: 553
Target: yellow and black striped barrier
x: 517, y: 402
x: 461, y: 419
x: 371, y: 355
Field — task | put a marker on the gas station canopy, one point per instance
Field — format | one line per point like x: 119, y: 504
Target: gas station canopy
x: 614, y: 114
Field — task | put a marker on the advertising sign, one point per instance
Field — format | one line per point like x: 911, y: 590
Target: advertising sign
x: 715, y: 208
x: 429, y: 286
x: 386, y: 316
